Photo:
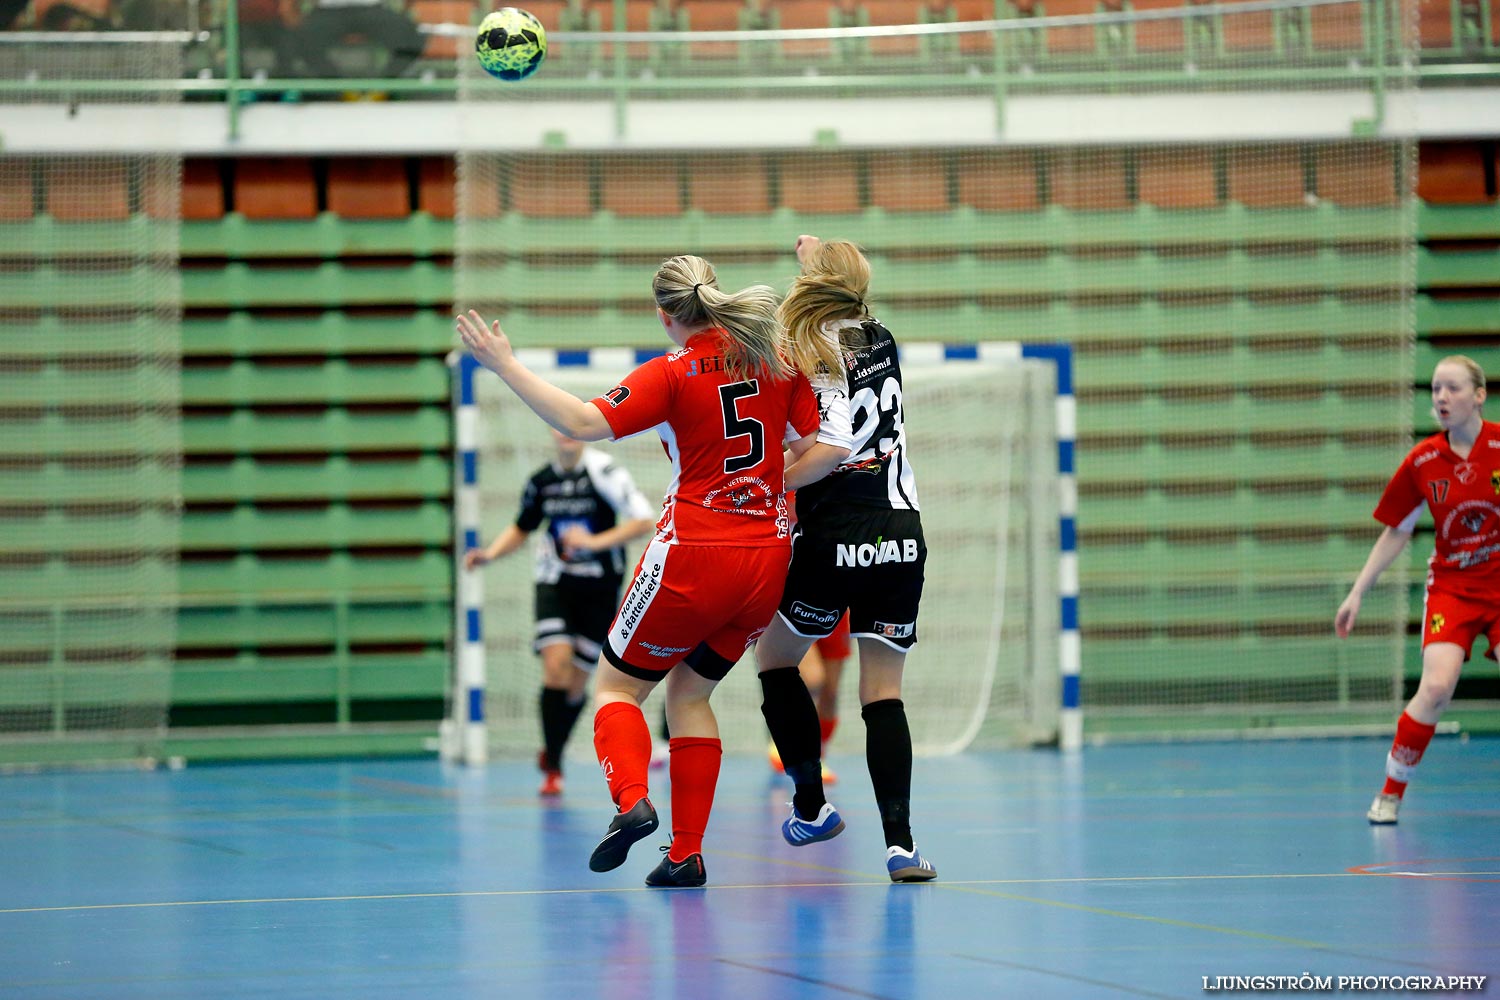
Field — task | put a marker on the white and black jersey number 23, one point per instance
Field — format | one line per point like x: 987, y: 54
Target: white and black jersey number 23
x: 865, y: 410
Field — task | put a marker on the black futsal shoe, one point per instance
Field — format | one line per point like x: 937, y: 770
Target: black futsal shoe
x: 686, y: 874
x: 624, y: 830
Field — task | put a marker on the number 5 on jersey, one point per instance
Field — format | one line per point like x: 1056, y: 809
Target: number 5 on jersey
x: 736, y: 426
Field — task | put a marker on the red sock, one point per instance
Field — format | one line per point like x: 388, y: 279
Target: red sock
x: 1407, y: 748
x: 622, y: 741
x: 828, y: 726
x: 695, y: 773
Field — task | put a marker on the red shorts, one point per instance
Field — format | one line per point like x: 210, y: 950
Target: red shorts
x: 684, y: 595
x: 836, y: 646
x: 1448, y: 617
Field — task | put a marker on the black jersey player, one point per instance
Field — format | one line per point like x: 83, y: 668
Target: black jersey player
x: 859, y: 546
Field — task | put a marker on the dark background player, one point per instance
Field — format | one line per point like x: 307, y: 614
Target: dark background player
x: 591, y: 507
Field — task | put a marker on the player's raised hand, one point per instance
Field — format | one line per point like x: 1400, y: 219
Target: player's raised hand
x: 489, y: 344
x: 805, y: 245
x: 1343, y: 621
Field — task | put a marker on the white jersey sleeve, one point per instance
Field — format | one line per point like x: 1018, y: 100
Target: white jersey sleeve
x: 834, y: 427
x: 616, y: 486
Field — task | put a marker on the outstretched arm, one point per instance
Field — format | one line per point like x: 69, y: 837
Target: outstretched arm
x: 1384, y: 552
x: 505, y: 543
x: 574, y: 417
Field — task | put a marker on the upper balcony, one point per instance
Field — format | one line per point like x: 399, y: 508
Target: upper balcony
x: 309, y: 75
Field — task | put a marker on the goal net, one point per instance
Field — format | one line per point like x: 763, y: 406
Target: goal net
x: 89, y: 399
x: 1211, y: 203
x: 983, y: 436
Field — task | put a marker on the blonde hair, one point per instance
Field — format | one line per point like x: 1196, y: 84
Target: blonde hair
x: 686, y: 288
x: 1476, y: 373
x: 832, y: 286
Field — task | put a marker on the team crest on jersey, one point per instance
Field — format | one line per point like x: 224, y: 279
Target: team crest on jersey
x: 1495, y: 481
x: 617, y: 395
x: 1473, y: 522
x: 1438, y: 621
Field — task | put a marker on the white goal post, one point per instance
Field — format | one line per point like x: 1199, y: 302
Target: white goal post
x: 990, y: 430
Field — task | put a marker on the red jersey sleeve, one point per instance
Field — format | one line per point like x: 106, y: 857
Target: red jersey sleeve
x: 1402, y: 499
x: 642, y: 401
x: 802, y: 416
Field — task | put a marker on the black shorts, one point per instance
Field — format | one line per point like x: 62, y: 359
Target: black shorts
x: 576, y: 610
x: 864, y: 559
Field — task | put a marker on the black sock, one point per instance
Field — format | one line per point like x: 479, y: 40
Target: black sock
x: 572, y: 710
x: 792, y: 717
x: 557, y: 720
x: 888, y: 755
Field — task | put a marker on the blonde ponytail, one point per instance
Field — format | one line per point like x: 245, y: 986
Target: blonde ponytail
x: 687, y: 289
x: 832, y: 286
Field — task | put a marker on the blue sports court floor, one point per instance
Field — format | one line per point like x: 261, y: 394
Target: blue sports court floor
x: 1124, y: 871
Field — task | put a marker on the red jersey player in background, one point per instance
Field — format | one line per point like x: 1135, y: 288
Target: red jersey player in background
x: 1455, y: 474
x: 724, y: 405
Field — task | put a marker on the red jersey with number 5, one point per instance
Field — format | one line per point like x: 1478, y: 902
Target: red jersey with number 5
x: 1464, y: 497
x: 724, y: 437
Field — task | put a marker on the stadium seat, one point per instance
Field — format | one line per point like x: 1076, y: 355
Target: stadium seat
x: 443, y: 12
x: 977, y: 42
x: 1336, y: 28
x: 1089, y: 180
x: 1069, y: 41
x: 729, y: 185
x: 551, y: 187
x: 1161, y: 36
x: 437, y: 190
x: 84, y: 190
x: 1355, y: 176
x: 201, y: 198
x: 1177, y: 178
x: 791, y: 14
x: 713, y: 15
x: 882, y: 12
x: 1435, y: 24
x: 1266, y: 177
x: 368, y: 188
x: 639, y: 16
x: 640, y: 186
x: 16, y: 194
x: 821, y: 183
x: 202, y: 190
x: 94, y: 8
x: 1452, y: 173
x: 909, y: 182
x: 1247, y: 32
x: 998, y: 181
x: 275, y: 188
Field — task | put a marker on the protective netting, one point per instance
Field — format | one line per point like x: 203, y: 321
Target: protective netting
x: 982, y: 441
x: 89, y: 401
x: 1211, y: 203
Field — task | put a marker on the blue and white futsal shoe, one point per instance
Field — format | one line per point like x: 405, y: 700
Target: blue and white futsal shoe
x: 800, y: 832
x: 908, y: 866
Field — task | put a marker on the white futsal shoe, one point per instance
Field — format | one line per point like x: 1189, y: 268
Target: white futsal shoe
x: 1383, y: 810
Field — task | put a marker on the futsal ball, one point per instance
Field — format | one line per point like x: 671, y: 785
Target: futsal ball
x: 511, y: 43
